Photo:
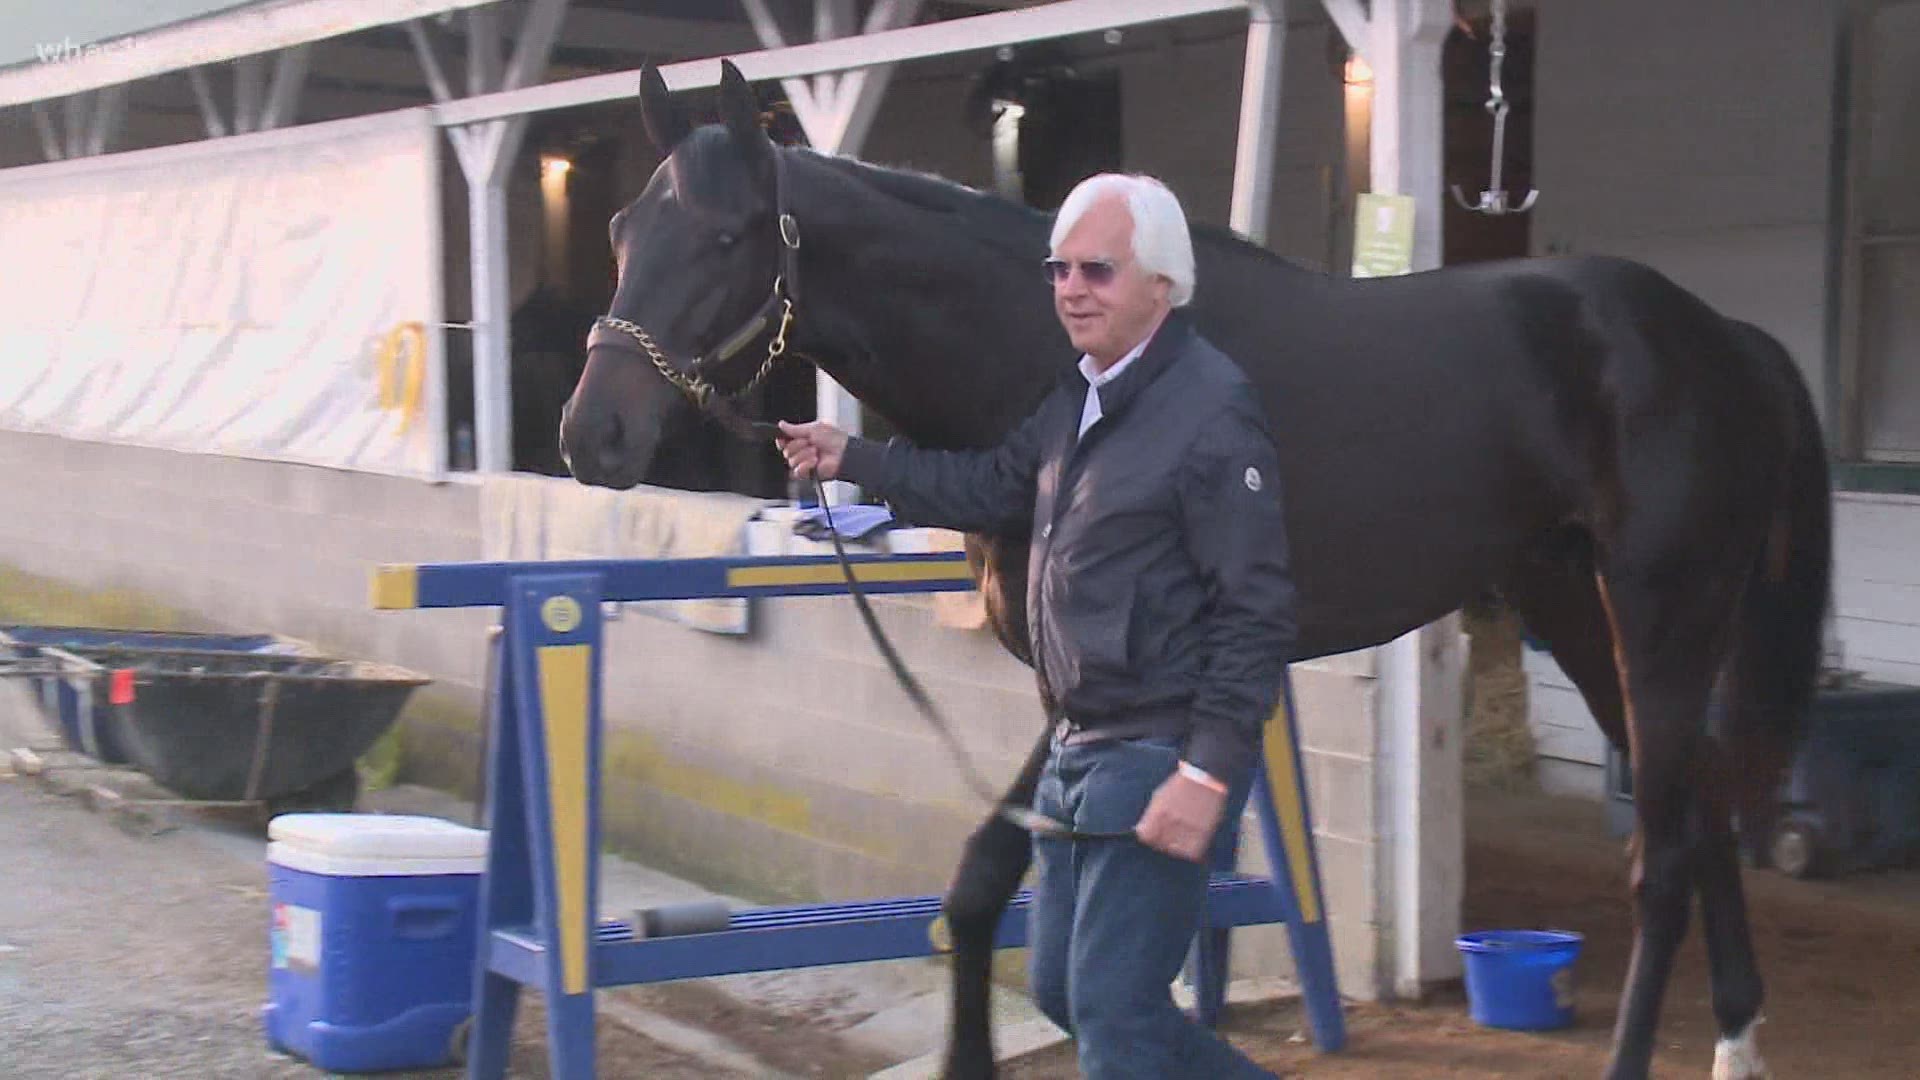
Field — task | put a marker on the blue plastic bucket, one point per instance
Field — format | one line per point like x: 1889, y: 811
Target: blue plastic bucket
x: 1521, y: 980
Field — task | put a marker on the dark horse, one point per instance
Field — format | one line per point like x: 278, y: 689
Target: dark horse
x: 1643, y: 479
x: 693, y: 454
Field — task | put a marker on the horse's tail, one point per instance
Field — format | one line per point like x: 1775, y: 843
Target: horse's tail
x: 1774, y: 666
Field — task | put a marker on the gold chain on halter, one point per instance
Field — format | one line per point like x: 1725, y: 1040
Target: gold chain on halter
x: 695, y: 387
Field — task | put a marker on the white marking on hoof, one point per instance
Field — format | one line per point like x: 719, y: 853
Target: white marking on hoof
x: 1738, y: 1058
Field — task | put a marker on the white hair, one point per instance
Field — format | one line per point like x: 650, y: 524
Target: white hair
x: 1161, y: 241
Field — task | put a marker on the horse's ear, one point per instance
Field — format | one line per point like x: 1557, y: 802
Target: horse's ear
x: 665, y: 118
x: 740, y: 110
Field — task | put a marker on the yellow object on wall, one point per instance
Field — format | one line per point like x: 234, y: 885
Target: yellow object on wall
x: 400, y: 385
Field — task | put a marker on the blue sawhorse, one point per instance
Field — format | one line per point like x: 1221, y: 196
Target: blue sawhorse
x: 539, y: 904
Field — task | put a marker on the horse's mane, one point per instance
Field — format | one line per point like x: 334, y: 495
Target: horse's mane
x: 979, y: 214
x: 990, y: 215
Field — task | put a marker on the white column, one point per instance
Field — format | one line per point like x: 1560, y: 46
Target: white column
x: 486, y: 151
x: 249, y: 92
x: 283, y: 97
x: 836, y: 111
x: 1259, y: 119
x: 109, y: 109
x: 1406, y: 38
x: 203, y: 96
x: 50, y: 143
x: 1421, y: 725
x: 492, y: 305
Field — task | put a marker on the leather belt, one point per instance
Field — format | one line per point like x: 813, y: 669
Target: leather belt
x: 1067, y: 732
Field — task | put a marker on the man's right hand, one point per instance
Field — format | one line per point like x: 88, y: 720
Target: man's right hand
x: 812, y: 449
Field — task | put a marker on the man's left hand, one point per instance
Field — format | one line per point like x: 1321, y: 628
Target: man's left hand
x: 1181, y: 818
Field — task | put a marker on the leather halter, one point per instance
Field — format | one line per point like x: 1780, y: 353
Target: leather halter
x: 776, y: 313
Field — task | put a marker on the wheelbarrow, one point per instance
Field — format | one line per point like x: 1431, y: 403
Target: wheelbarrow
x: 38, y: 655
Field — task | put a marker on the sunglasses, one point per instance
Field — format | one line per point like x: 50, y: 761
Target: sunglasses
x: 1095, y: 272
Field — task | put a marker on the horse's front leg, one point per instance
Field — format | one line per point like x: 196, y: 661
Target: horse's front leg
x: 995, y: 859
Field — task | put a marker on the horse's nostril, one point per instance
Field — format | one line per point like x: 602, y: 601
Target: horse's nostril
x: 610, y: 444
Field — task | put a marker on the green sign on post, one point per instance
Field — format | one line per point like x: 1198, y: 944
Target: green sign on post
x: 1382, y: 235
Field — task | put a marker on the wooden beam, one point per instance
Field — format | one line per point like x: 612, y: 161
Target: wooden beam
x: 1061, y: 19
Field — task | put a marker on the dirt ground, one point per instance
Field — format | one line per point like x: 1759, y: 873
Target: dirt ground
x: 1841, y: 958
x: 153, y: 966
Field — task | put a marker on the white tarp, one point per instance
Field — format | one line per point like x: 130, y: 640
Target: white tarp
x: 271, y: 295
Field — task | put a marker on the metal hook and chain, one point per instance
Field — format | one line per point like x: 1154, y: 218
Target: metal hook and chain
x: 1494, y: 200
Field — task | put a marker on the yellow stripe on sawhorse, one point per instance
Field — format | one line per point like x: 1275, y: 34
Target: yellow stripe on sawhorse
x: 396, y: 588
x: 747, y: 577
x: 564, y: 671
x: 1284, y: 785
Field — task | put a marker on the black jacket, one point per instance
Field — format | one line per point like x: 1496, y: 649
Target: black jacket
x: 1158, y: 594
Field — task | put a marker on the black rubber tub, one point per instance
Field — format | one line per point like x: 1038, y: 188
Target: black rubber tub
x: 226, y: 725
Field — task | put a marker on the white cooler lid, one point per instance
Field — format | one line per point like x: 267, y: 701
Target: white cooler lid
x: 375, y: 844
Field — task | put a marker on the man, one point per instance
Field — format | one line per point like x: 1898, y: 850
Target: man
x: 1160, y: 609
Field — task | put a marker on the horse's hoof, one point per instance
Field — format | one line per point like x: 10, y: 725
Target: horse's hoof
x: 1738, y: 1058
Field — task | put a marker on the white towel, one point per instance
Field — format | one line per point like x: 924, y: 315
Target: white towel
x: 529, y: 517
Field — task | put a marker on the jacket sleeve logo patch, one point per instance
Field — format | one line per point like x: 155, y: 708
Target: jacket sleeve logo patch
x: 1254, y: 483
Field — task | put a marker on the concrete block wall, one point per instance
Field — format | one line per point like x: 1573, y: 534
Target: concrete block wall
x: 783, y: 762
x: 243, y: 543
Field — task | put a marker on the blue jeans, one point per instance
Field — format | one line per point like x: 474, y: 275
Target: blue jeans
x: 1112, y: 920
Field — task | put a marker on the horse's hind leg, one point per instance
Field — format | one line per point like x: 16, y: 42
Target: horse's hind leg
x: 1669, y: 617
x: 1737, y: 989
x: 1557, y: 596
x: 995, y: 859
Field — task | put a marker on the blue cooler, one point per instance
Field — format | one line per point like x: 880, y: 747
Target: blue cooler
x: 374, y: 918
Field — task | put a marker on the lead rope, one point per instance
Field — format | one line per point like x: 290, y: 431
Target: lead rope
x: 1025, y: 817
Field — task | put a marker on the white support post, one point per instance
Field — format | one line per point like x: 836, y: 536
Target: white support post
x: 832, y: 19
x: 49, y: 141
x: 283, y: 98
x: 1350, y: 18
x: 492, y: 307
x: 857, y: 96
x: 109, y: 108
x: 534, y: 44
x: 838, y: 114
x: 483, y: 50
x: 249, y: 92
x: 486, y: 153
x: 209, y: 109
x: 1420, y: 704
x: 1259, y: 119
x: 442, y: 90
x: 429, y: 61
x: 73, y: 117
x: 799, y: 91
x: 1407, y: 38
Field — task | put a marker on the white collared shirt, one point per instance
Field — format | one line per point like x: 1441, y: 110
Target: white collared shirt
x: 1097, y: 378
